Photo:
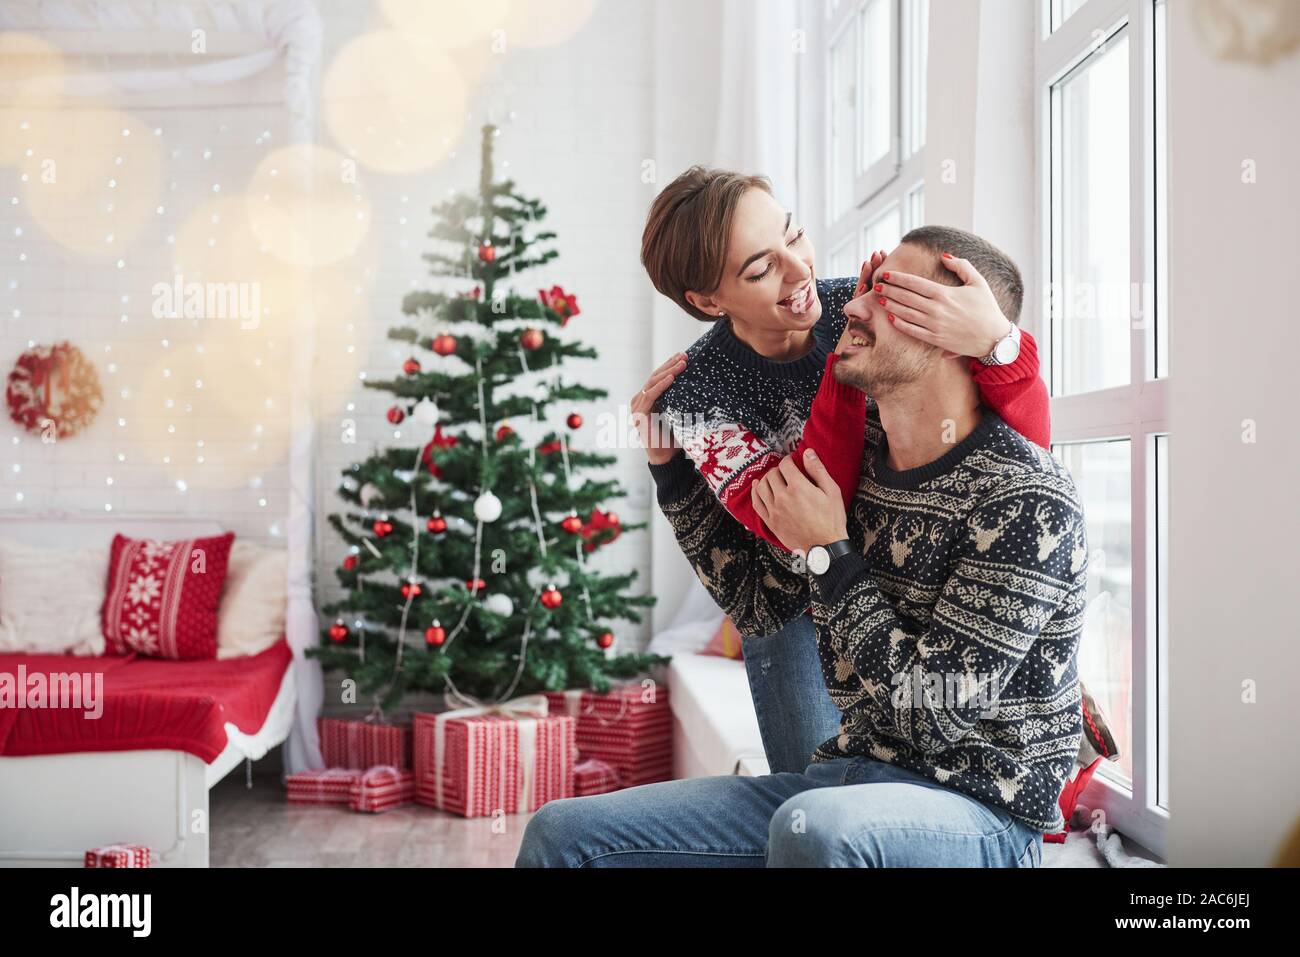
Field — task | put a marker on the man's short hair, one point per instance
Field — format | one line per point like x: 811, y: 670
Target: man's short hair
x: 997, y: 268
x: 684, y: 245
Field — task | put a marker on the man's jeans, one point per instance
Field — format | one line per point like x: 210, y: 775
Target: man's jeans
x: 850, y: 812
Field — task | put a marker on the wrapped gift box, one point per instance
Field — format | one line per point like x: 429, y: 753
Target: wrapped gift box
x: 594, y: 777
x: 362, y: 744
x: 630, y: 728
x: 513, y: 757
x: 381, y: 788
x: 118, y: 855
x: 321, y: 786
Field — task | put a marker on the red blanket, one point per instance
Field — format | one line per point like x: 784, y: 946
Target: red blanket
x: 147, y: 703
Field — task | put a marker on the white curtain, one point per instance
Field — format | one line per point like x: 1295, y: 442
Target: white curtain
x: 726, y: 87
x: 106, y: 40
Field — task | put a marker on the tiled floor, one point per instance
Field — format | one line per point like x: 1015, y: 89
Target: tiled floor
x: 257, y: 828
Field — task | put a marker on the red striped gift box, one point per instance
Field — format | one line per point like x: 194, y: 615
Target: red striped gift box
x: 118, y: 855
x: 321, y: 786
x: 630, y: 728
x: 381, y: 788
x: 362, y: 744
x: 511, y: 758
x: 594, y: 777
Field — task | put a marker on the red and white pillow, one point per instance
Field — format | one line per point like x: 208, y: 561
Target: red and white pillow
x: 162, y: 597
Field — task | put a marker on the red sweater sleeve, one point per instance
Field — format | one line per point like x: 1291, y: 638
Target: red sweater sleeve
x: 1017, y: 393
x: 835, y: 430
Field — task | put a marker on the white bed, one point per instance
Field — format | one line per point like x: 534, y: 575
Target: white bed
x: 55, y: 807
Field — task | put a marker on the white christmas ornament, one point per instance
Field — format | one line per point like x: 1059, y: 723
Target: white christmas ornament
x: 349, y: 484
x: 500, y: 605
x: 426, y: 412
x: 487, y: 507
x: 368, y: 494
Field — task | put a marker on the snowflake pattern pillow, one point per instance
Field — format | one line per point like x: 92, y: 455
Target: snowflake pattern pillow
x: 162, y: 597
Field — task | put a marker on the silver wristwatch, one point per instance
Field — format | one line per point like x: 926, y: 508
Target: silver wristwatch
x: 1006, y: 350
x: 821, y: 556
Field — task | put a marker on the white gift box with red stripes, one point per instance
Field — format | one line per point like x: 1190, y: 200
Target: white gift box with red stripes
x: 118, y: 855
x: 511, y: 758
x: 381, y: 788
x: 321, y: 786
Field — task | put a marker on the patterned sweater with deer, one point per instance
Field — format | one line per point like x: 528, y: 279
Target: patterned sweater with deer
x: 948, y: 638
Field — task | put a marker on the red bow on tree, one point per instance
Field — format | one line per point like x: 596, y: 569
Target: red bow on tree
x: 601, y: 529
x: 439, y: 441
x: 561, y: 302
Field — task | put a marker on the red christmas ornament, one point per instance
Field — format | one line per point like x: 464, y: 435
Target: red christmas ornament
x: 504, y: 433
x: 444, y: 344
x: 338, y: 630
x: 475, y: 584
x: 552, y: 598
x: 411, y: 590
x: 411, y: 366
x: 439, y: 441
x: 549, y: 448
x: 435, y: 634
x: 532, y: 339
x: 574, y: 420
x: 350, y: 563
x: 601, y: 529
x: 562, y: 303
x: 396, y: 415
x: 572, y: 524
x: 383, y: 527
x: 487, y: 252
x: 605, y: 639
x: 437, y: 524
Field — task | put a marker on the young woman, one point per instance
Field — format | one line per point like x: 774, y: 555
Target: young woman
x: 756, y: 385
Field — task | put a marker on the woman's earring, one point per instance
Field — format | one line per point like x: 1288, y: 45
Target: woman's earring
x: 722, y: 315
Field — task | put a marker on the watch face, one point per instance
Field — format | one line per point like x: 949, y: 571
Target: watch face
x: 818, y: 560
x: 1007, y: 351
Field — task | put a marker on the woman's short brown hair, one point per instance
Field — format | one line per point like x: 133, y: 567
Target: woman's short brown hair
x: 684, y: 245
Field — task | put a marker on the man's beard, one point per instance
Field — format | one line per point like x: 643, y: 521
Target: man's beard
x: 878, y: 374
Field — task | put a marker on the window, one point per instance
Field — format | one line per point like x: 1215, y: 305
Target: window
x: 875, y: 121
x: 1099, y: 74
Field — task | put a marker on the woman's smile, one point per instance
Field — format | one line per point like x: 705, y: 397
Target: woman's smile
x: 801, y: 299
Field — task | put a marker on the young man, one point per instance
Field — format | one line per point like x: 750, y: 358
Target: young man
x: 948, y: 602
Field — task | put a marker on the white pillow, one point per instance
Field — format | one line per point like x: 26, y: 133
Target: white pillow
x: 50, y: 599
x: 250, y: 618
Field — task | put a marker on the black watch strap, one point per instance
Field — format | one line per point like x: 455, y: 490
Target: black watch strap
x: 839, y: 549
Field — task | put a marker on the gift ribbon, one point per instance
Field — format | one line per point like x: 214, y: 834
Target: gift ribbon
x: 573, y: 703
x: 524, y: 711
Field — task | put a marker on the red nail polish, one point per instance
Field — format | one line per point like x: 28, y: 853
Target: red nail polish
x: 879, y: 288
x: 947, y: 255
x: 885, y: 276
x: 881, y: 300
x: 890, y: 315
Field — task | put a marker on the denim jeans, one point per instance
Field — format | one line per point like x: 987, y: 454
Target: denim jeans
x: 795, y: 711
x: 850, y: 812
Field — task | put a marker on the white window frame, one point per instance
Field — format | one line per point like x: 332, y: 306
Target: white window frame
x: 896, y: 178
x: 1137, y: 411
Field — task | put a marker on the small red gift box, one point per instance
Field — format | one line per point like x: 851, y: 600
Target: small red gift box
x: 118, y: 855
x: 594, y: 777
x: 630, y: 728
x: 361, y: 744
x: 321, y: 786
x: 381, y: 788
x: 511, y: 758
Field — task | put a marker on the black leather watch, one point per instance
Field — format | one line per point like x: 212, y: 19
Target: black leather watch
x: 820, y: 557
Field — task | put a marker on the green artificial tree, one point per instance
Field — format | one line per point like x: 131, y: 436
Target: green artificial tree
x: 467, y: 570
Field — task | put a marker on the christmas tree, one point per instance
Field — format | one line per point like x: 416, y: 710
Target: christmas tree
x: 467, y: 570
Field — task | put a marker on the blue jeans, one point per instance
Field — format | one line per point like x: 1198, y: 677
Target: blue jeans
x: 851, y: 812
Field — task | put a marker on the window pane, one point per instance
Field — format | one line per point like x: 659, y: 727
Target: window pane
x: 883, y: 231
x: 1162, y: 218
x: 844, y: 260
x: 877, y: 74
x: 916, y: 208
x: 1101, y: 473
x: 843, y: 76
x: 1162, y: 620
x: 1091, y: 270
x: 1062, y: 10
